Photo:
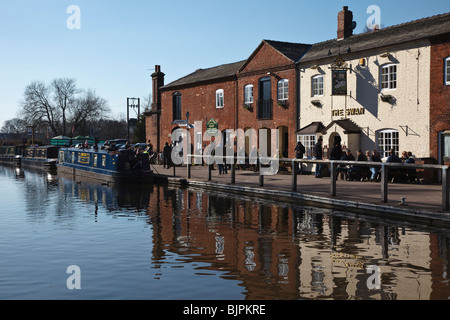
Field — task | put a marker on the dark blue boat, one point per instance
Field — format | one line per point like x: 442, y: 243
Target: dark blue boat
x: 40, y: 156
x: 115, y: 166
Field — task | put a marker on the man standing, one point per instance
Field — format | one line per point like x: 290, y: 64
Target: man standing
x: 318, y: 155
x: 167, y: 154
x: 299, y: 152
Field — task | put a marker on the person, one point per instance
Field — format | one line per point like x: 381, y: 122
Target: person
x: 318, y: 155
x: 410, y: 175
x: 254, y: 162
x: 393, y: 158
x: 342, y: 170
x: 299, y: 153
x: 356, y: 171
x: 375, y: 157
x: 167, y: 153
x: 221, y: 162
x: 336, y: 151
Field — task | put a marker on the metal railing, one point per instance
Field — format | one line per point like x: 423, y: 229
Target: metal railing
x: 384, y: 172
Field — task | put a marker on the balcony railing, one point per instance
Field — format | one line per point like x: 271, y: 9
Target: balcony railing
x: 265, y: 109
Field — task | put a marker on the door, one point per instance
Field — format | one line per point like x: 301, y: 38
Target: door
x: 265, y: 99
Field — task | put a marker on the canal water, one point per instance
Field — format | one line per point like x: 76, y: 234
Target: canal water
x: 66, y: 239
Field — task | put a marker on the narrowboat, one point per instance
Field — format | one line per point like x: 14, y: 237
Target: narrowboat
x: 8, y: 155
x: 40, y: 156
x: 11, y: 155
x: 106, y: 166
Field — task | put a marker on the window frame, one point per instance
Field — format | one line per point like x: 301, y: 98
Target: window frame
x: 383, y: 147
x: 447, y: 71
x: 392, y: 84
x: 220, y: 99
x: 314, y: 86
x: 308, y: 141
x: 177, y: 114
x: 284, y: 85
x: 248, y: 99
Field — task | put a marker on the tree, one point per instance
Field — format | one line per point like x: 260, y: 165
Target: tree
x: 139, y: 131
x: 60, y: 106
x: 37, y: 108
x: 64, y: 95
x: 87, y: 108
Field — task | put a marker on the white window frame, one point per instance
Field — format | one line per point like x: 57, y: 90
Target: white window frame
x: 388, y: 139
x: 248, y: 94
x: 447, y: 71
x: 220, y: 100
x: 308, y: 141
x: 283, y: 90
x: 388, y: 77
x: 317, y: 86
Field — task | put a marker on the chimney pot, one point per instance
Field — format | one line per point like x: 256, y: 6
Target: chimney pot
x: 345, y: 23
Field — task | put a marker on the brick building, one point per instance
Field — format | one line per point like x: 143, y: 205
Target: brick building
x: 440, y: 99
x: 387, y: 88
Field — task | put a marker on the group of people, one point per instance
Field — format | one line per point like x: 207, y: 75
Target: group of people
x: 357, y: 172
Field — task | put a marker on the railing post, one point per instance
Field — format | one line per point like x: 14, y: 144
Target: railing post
x: 445, y: 193
x: 188, y: 166
x: 384, y: 183
x: 233, y: 173
x: 261, y: 177
x: 333, y: 179
x: 209, y: 169
x: 174, y: 173
x: 294, y: 175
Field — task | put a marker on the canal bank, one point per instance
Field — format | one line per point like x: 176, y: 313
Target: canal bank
x: 407, y: 201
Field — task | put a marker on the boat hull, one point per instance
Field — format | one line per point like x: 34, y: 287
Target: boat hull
x: 109, y: 176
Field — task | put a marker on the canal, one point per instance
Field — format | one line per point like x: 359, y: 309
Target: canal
x: 68, y: 239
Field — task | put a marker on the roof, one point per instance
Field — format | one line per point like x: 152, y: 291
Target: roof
x: 348, y: 125
x: 202, y: 75
x: 292, y: 51
x: 406, y: 32
x: 312, y: 128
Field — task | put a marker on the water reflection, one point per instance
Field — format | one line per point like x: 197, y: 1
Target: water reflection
x: 262, y: 249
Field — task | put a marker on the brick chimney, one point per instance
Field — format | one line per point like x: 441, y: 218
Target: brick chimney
x: 345, y: 24
x: 157, y: 82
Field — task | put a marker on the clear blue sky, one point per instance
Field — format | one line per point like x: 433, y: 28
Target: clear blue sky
x: 121, y: 41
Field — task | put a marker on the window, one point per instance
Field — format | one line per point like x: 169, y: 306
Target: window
x: 219, y: 98
x: 317, y: 86
x: 387, y: 140
x: 176, y: 106
x: 248, y: 94
x: 447, y: 71
x: 389, y: 77
x: 308, y: 141
x: 283, y: 90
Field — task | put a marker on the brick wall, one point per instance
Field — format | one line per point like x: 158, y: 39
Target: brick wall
x: 439, y: 92
x: 200, y: 101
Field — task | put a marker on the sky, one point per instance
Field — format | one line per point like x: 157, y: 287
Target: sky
x: 112, y: 47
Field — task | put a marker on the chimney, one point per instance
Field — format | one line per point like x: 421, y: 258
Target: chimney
x: 345, y: 24
x: 157, y: 82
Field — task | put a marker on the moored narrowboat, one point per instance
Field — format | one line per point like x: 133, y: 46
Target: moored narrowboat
x: 11, y: 155
x: 114, y: 166
x: 40, y: 156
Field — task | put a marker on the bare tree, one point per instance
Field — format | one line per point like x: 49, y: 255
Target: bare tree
x: 37, y: 108
x: 87, y: 108
x: 65, y: 91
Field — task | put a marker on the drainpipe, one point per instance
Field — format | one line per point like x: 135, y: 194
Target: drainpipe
x: 297, y: 98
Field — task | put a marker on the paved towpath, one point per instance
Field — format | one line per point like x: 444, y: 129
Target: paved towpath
x: 419, y: 197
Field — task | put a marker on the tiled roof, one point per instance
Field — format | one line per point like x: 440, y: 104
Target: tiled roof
x: 348, y: 125
x: 293, y: 51
x: 405, y: 32
x: 201, y: 75
x: 312, y: 128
